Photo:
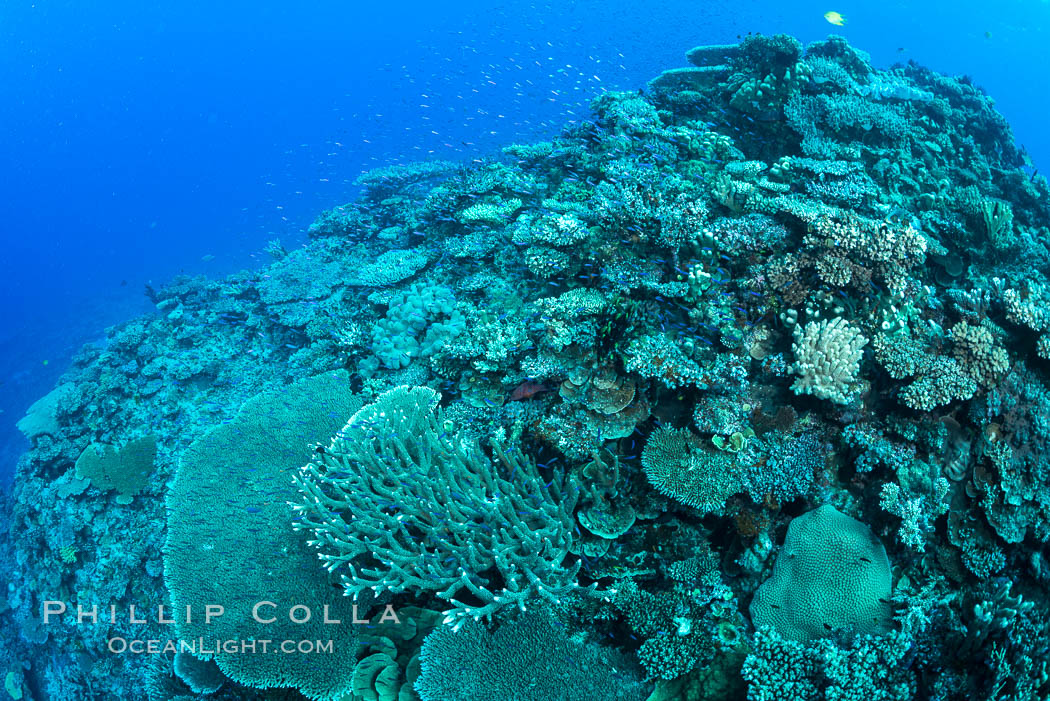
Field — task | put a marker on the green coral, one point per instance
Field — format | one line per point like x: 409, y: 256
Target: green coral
x: 13, y: 685
x: 399, y: 502
x: 735, y: 442
x: 678, y: 465
x: 230, y: 540
x: 68, y: 554
x: 126, y: 469
x: 675, y: 638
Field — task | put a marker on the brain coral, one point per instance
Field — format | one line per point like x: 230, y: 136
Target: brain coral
x: 831, y: 573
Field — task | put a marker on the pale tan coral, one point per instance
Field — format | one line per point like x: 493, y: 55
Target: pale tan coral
x: 1028, y: 306
x: 976, y: 350
x: 827, y: 360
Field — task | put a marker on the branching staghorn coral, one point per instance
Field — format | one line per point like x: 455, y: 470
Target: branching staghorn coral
x: 399, y: 502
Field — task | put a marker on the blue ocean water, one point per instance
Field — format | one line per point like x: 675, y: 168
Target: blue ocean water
x: 141, y: 141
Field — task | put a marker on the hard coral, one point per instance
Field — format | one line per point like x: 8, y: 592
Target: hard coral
x: 827, y: 360
x: 395, y: 451
x: 831, y: 573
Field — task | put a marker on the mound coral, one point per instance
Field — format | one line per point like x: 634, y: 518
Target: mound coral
x: 831, y: 573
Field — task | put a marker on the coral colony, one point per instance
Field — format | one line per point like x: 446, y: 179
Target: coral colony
x: 739, y: 391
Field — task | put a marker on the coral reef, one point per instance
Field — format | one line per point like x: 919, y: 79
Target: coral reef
x: 737, y: 390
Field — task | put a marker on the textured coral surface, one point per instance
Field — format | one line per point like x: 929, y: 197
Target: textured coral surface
x: 738, y: 390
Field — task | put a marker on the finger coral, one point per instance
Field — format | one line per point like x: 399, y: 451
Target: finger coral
x: 827, y: 360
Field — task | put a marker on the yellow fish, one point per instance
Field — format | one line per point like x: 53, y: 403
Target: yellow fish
x: 835, y: 18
